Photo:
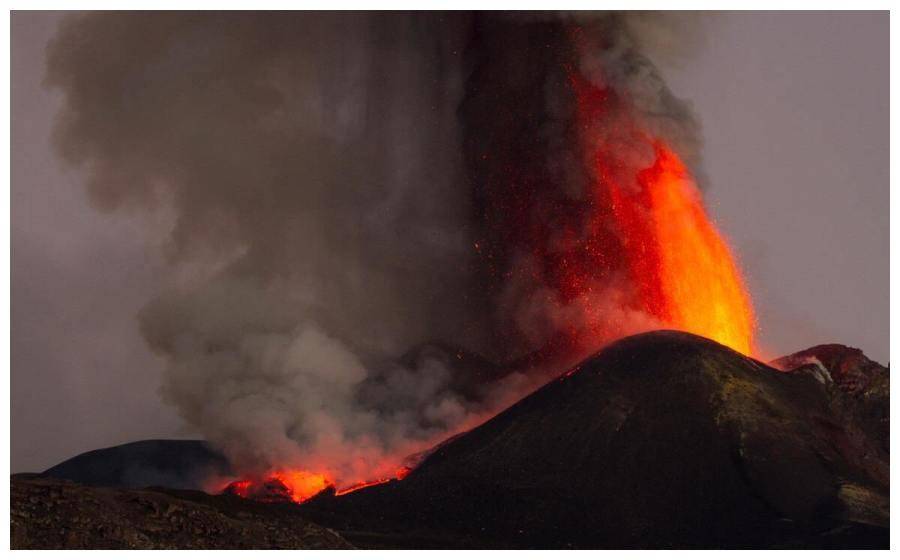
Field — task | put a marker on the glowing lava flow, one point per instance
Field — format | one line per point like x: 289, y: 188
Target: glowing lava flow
x: 361, y: 485
x: 280, y: 486
x: 296, y: 486
x: 301, y: 484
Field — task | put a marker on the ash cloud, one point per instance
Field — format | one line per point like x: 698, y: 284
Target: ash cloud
x: 331, y: 184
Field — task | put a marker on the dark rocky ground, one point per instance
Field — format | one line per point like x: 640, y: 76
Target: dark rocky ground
x: 53, y: 514
x: 661, y: 440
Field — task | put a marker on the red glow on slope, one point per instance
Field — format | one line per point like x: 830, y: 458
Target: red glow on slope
x: 302, y: 485
x: 296, y: 486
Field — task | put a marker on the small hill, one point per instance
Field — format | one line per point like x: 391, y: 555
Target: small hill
x: 157, y: 462
x: 663, y: 439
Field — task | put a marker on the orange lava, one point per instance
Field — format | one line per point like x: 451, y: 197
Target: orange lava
x: 303, y: 485
x: 699, y: 279
x: 680, y: 267
x: 296, y: 485
x: 360, y: 486
x: 399, y: 475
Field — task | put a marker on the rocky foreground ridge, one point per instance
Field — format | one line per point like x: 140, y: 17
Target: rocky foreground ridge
x: 53, y: 514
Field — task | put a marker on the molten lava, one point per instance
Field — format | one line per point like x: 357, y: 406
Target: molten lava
x: 650, y: 221
x: 296, y: 486
x: 361, y: 485
x: 302, y: 485
x: 280, y: 486
x: 700, y: 283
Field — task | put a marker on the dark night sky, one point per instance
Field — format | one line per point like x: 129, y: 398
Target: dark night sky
x: 795, y: 113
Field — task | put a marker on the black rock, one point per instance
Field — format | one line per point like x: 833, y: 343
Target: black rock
x: 53, y: 514
x: 663, y: 439
x: 859, y: 387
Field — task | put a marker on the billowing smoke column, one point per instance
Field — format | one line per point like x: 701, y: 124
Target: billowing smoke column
x: 341, y: 188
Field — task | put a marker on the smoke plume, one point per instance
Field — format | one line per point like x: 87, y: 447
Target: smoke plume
x: 345, y: 187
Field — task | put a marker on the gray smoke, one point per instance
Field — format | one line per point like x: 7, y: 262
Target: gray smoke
x: 310, y: 169
x: 616, y: 53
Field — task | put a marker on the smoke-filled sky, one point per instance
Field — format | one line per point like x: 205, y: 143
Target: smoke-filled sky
x: 793, y: 110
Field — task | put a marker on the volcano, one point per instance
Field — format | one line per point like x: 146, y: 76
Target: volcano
x: 663, y: 439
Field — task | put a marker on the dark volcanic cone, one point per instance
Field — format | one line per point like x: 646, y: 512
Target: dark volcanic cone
x: 139, y: 464
x: 662, y: 439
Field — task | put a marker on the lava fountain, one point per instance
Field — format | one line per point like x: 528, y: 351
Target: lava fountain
x: 650, y: 221
x: 699, y: 281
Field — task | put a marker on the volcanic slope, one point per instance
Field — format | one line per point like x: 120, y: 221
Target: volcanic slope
x: 663, y: 439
